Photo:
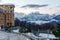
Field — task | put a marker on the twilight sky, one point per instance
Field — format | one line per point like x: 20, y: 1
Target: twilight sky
x: 53, y: 6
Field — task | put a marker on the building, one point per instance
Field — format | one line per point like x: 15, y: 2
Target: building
x: 7, y: 15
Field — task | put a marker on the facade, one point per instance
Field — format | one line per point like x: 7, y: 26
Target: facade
x: 7, y: 15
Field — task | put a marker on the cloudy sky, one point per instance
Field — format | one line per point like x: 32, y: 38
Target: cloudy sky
x: 27, y: 6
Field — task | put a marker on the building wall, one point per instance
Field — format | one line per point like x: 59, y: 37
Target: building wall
x: 2, y: 19
x: 7, y: 15
x: 9, y: 19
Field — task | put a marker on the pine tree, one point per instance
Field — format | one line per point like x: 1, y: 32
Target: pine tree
x: 56, y: 31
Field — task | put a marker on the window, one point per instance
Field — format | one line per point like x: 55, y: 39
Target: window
x: 11, y: 11
x: 3, y: 6
x: 7, y: 23
x: 10, y: 7
x: 5, y: 11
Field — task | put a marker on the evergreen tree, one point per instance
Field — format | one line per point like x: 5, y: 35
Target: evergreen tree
x: 23, y: 28
x: 56, y: 31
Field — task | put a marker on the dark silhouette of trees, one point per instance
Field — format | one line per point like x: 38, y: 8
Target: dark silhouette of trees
x: 33, y: 26
x: 17, y: 22
x: 23, y: 28
x: 56, y: 31
x: 47, y: 26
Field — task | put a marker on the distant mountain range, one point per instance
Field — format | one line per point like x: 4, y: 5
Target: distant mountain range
x: 57, y: 17
x: 19, y: 15
x: 36, y: 16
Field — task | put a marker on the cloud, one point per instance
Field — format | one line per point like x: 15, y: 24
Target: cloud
x: 58, y: 6
x: 34, y: 6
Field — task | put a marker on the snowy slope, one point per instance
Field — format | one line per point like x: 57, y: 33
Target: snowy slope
x: 19, y: 15
x: 35, y: 16
x: 57, y: 17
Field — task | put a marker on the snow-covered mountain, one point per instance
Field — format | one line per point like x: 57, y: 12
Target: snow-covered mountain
x: 57, y: 17
x: 36, y: 16
x: 53, y: 21
x: 19, y: 15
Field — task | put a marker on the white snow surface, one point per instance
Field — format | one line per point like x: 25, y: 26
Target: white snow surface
x: 47, y: 35
x: 43, y: 35
x: 12, y: 36
x: 17, y: 30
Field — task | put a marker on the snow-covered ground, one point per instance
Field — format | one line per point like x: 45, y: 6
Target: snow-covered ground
x: 17, y: 30
x: 42, y: 35
x: 12, y: 36
x: 50, y: 36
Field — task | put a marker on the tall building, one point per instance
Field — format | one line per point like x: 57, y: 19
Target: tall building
x: 7, y: 15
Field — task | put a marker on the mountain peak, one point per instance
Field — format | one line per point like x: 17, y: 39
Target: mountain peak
x: 35, y: 16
